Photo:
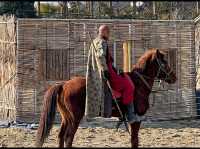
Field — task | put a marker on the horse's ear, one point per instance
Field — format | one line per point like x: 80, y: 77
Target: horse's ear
x: 159, y: 54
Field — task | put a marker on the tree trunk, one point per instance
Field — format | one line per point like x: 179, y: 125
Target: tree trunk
x: 110, y: 6
x: 78, y: 7
x: 38, y: 8
x: 154, y: 8
x: 92, y: 9
x: 64, y: 9
x: 117, y: 8
x: 99, y: 8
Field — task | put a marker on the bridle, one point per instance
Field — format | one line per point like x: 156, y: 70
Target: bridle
x: 162, y: 67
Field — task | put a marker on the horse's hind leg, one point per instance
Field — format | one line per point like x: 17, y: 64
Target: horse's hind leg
x: 134, y: 134
x: 69, y: 135
x: 62, y: 135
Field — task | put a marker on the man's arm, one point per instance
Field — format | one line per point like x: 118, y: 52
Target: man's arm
x: 101, y: 54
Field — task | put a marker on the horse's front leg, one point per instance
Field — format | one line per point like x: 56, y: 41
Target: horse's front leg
x: 134, y: 134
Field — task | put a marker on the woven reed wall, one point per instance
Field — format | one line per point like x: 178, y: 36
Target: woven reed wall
x: 7, y: 68
x: 55, y: 50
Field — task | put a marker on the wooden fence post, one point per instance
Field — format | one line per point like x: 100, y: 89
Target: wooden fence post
x: 127, y: 56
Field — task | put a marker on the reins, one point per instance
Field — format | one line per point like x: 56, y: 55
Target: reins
x: 143, y: 79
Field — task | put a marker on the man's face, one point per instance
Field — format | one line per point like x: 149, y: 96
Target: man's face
x: 106, y: 34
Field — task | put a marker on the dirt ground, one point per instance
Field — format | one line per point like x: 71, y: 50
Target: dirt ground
x: 181, y: 133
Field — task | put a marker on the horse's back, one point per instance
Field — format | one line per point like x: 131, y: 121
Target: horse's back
x: 75, y: 85
x: 78, y: 81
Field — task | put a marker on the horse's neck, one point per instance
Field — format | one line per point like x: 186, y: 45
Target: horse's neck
x: 148, y: 78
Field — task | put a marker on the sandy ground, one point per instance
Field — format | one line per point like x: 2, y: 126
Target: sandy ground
x: 103, y: 134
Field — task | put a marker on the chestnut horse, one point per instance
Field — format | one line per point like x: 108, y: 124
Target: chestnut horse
x: 69, y: 98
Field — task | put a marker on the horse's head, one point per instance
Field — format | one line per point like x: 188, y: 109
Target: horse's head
x: 153, y: 64
x: 164, y: 72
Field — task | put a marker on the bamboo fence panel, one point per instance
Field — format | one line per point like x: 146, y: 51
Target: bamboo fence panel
x: 7, y: 68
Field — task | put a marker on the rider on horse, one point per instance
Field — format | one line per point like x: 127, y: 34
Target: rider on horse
x: 119, y: 81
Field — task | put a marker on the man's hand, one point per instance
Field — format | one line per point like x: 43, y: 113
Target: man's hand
x: 120, y: 71
x: 106, y: 74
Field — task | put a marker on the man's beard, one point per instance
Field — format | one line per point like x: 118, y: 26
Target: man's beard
x: 105, y: 38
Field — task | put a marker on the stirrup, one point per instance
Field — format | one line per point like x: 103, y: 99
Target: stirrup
x: 123, y: 120
x: 119, y: 123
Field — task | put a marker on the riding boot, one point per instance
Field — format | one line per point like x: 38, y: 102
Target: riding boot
x: 131, y: 116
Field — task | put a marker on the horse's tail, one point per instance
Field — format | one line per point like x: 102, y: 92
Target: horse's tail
x: 48, y: 114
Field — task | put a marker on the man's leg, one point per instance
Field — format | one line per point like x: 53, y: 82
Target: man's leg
x: 127, y: 100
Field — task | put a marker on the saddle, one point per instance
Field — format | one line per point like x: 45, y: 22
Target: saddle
x: 117, y: 94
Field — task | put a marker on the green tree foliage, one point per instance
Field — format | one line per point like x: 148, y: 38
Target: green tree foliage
x: 47, y: 10
x: 104, y: 9
x: 163, y: 9
x: 18, y: 8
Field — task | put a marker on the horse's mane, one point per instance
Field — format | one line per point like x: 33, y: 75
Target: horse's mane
x: 148, y: 55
